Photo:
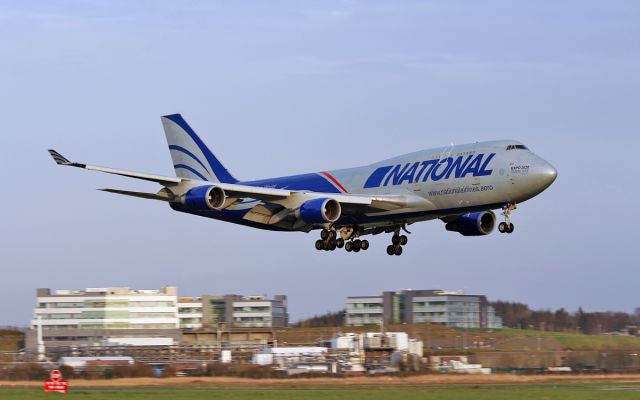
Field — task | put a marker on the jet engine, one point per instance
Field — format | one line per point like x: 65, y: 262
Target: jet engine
x: 473, y: 224
x: 204, y: 198
x: 319, y: 211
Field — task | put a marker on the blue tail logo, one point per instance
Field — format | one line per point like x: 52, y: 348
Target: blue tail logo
x: 192, y: 159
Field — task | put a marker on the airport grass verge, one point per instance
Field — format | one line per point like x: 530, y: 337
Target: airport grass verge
x: 373, y: 391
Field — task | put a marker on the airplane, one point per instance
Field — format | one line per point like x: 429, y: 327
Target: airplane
x: 461, y: 185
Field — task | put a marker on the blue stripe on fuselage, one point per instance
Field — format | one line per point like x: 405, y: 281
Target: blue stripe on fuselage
x: 311, y: 182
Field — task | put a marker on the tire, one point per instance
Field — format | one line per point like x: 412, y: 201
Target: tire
x: 398, y: 250
x: 324, y: 234
x: 319, y: 245
x: 502, y: 227
x: 390, y: 250
x: 340, y: 243
x: 357, y: 244
x: 348, y: 246
x: 403, y: 240
x: 395, y: 239
x: 364, y: 245
x: 511, y: 228
x: 333, y: 234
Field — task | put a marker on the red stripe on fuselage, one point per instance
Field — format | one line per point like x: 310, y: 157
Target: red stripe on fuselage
x: 334, y: 180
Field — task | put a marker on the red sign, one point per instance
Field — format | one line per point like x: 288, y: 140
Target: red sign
x: 55, y: 383
x: 56, y: 386
x: 55, y: 375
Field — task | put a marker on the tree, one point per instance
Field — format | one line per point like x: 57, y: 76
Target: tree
x: 328, y: 319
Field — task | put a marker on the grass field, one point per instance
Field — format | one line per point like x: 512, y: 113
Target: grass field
x: 547, y: 391
x: 499, y: 339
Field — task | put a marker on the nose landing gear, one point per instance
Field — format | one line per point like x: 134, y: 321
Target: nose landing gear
x: 507, y: 226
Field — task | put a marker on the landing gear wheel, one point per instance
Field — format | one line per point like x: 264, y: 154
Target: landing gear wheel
x: 391, y: 250
x: 395, y: 239
x: 398, y: 250
x: 357, y: 245
x: 333, y: 234
x: 324, y: 234
x: 348, y: 246
x: 403, y: 240
x: 503, y: 227
x: 332, y: 244
x: 364, y: 245
x: 510, y: 228
x: 319, y: 245
x: 340, y: 243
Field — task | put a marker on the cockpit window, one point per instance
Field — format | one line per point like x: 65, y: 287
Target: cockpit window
x: 517, y: 147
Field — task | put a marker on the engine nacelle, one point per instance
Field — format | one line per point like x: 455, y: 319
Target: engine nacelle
x: 319, y: 211
x: 204, y: 198
x: 473, y: 224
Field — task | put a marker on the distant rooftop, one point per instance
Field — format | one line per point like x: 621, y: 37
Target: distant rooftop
x: 168, y: 290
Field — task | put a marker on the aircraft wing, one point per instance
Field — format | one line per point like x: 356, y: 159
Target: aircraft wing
x: 291, y: 199
x: 232, y: 190
x: 163, y: 180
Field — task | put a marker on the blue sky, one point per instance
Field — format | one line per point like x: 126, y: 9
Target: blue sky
x: 277, y: 88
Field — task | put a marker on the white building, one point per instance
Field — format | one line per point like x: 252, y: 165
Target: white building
x: 104, y: 316
x: 286, y: 356
x: 190, y: 312
x: 106, y: 308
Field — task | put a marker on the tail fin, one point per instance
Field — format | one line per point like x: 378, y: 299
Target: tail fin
x: 192, y: 159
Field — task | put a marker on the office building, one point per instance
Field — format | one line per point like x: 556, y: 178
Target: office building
x: 453, y: 309
x: 232, y: 311
x: 104, y: 316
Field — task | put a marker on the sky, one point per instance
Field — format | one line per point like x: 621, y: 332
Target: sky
x: 283, y: 87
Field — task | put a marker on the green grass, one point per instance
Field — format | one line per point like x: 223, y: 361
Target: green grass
x: 361, y: 392
x: 511, y: 339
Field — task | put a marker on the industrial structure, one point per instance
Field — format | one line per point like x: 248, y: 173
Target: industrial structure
x: 346, y: 353
x: 453, y: 309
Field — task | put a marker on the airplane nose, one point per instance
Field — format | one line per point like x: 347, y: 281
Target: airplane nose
x: 549, y: 172
x: 545, y: 174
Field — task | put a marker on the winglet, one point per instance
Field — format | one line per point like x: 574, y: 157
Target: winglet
x: 59, y: 158
x: 62, y: 160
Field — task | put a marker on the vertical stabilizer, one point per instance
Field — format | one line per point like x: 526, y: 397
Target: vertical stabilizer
x: 191, y: 158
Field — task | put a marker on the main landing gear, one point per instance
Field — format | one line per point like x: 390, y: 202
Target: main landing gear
x: 397, y: 241
x: 330, y: 241
x: 507, y: 226
x: 356, y: 245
